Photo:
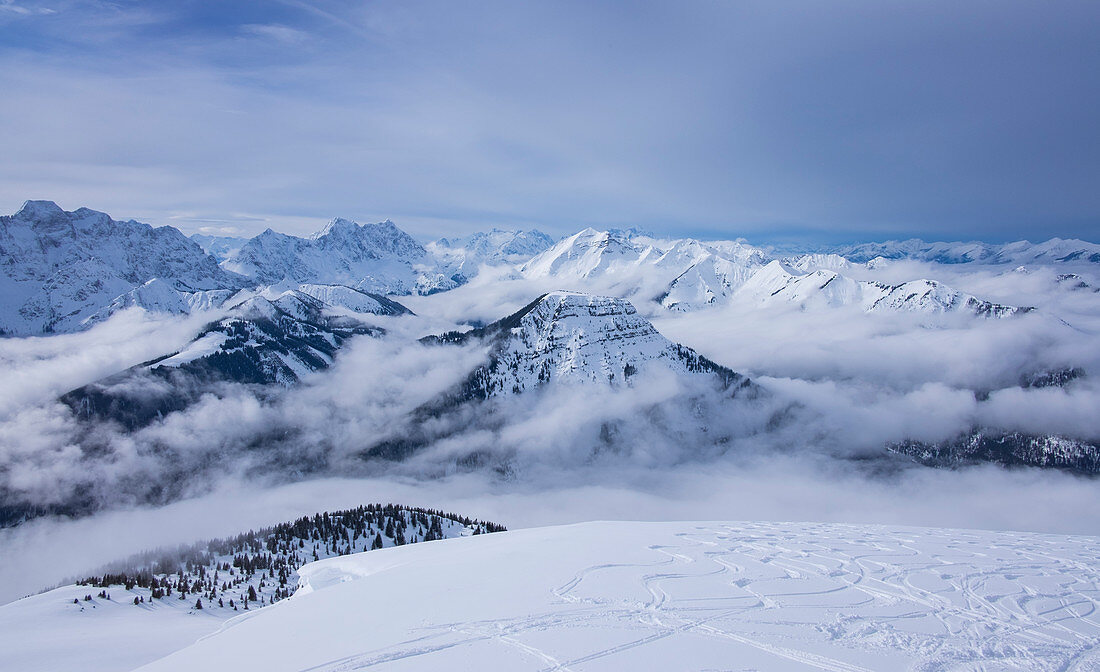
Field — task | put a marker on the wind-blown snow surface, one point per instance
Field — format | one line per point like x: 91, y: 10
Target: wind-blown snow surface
x: 673, y: 596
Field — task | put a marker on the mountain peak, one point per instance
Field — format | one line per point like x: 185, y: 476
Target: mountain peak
x: 39, y: 210
x: 576, y: 337
x: 338, y: 225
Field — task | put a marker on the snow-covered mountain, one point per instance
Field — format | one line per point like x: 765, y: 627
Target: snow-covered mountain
x: 378, y: 258
x: 587, y: 254
x: 1053, y: 251
x: 571, y: 337
x: 708, y: 281
x: 650, y: 596
x: 219, y: 247
x: 262, y: 341
x: 66, y: 271
x: 566, y: 342
x: 494, y: 248
x: 779, y: 284
x: 682, y: 274
x: 58, y: 268
x: 808, y: 263
x: 692, y: 274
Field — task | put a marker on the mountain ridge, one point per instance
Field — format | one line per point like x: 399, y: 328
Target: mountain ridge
x: 59, y: 267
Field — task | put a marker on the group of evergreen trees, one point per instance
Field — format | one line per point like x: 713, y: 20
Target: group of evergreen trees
x: 259, y: 567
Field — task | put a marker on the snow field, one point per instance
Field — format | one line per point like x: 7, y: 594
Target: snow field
x: 663, y: 596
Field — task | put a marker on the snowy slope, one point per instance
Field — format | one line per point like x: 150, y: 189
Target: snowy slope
x: 674, y: 596
x: 48, y: 632
x: 58, y: 268
x: 97, y: 624
x: 378, y: 258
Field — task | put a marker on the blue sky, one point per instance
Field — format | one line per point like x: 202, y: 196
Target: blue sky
x: 779, y: 122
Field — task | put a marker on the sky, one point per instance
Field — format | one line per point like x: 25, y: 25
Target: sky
x: 779, y: 122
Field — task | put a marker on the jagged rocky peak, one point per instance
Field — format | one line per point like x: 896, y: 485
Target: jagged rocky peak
x: 545, y: 321
x: 379, y: 258
x: 336, y: 226
x: 377, y: 240
x: 40, y: 211
x: 495, y: 247
x: 62, y: 267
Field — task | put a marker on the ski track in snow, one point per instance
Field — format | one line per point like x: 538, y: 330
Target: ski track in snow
x: 804, y: 596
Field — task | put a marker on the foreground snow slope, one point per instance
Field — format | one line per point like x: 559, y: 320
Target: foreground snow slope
x: 49, y: 633
x: 675, y: 596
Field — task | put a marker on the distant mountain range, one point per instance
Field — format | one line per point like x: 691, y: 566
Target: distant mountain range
x: 1053, y: 251
x: 65, y: 271
x: 282, y: 308
x: 59, y: 268
x: 378, y: 258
